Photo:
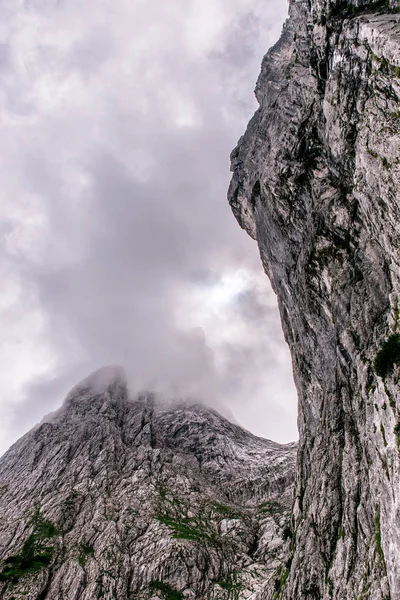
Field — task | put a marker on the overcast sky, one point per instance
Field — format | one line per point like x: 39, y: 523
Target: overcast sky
x: 118, y: 246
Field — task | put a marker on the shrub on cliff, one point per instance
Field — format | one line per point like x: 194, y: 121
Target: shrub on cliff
x: 388, y: 355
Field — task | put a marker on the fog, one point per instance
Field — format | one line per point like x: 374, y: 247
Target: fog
x: 118, y: 245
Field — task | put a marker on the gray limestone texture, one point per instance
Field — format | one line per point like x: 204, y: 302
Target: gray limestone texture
x: 128, y: 498
x: 316, y: 181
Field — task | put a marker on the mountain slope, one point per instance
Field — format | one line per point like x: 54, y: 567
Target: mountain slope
x: 120, y: 498
x: 316, y: 182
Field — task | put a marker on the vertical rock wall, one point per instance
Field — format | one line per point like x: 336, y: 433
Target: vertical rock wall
x: 316, y: 181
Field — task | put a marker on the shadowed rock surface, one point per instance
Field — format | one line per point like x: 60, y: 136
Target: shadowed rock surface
x: 130, y: 499
x: 316, y: 181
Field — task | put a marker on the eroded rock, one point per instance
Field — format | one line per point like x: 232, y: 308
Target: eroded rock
x: 316, y: 182
x: 117, y: 498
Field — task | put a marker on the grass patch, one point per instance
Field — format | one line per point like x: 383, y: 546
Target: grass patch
x: 280, y: 582
x: 392, y: 403
x: 167, y: 591
x: 231, y: 584
x: 196, y: 523
x: 272, y: 508
x: 385, y: 163
x: 388, y: 356
x: 372, y: 152
x: 227, y: 512
x: 188, y: 528
x: 34, y: 554
x: 86, y: 551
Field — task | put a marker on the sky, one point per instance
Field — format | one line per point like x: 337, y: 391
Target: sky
x: 117, y: 244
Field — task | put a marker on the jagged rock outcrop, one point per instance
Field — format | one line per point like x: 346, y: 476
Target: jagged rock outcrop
x: 316, y: 181
x: 123, y: 499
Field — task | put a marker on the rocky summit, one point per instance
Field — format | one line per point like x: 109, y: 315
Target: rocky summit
x: 316, y: 181
x: 119, y: 498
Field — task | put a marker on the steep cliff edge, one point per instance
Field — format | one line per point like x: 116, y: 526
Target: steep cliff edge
x: 316, y: 182
x: 121, y: 498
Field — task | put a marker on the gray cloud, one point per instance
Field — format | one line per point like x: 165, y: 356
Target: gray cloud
x: 118, y: 244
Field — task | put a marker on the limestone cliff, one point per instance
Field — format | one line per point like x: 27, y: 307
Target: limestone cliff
x: 122, y: 499
x: 316, y: 181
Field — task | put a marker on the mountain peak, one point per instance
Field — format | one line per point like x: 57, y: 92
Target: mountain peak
x: 104, y: 386
x: 106, y: 379
x: 123, y: 498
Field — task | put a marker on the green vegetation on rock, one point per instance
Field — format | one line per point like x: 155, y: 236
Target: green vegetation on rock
x: 388, y: 356
x: 271, y: 507
x: 86, y: 551
x: 227, y: 512
x: 282, y: 574
x: 34, y: 554
x: 194, y: 523
x: 167, y: 591
x: 232, y: 585
x: 188, y: 528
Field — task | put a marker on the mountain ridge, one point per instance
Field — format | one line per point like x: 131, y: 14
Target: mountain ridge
x: 141, y: 501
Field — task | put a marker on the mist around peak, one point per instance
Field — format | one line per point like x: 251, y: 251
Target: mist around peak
x: 120, y: 247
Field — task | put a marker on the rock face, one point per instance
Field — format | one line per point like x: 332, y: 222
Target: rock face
x: 123, y: 499
x: 316, y: 181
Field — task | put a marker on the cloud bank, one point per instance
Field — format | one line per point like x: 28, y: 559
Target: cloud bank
x: 118, y: 246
